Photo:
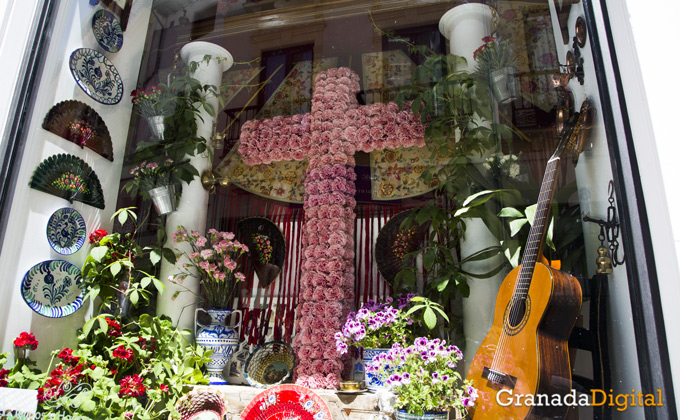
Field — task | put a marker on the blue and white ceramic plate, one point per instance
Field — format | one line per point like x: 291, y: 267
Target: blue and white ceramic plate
x: 107, y: 30
x: 53, y: 288
x: 96, y: 75
x: 66, y: 231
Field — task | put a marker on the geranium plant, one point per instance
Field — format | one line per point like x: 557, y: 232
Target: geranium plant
x: 134, y: 370
x: 215, y: 259
x: 23, y: 374
x: 492, y: 55
x: 111, y: 270
x: 424, y: 377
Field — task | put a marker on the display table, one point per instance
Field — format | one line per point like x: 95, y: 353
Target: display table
x: 342, y: 406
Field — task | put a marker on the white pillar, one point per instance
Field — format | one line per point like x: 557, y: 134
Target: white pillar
x: 192, y: 208
x: 465, y: 26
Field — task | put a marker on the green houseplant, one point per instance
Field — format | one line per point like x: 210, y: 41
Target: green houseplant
x: 495, y: 64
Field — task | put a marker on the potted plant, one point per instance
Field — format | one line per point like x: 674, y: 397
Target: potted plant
x: 214, y: 257
x: 134, y: 369
x: 425, y: 380
x: 18, y: 385
x: 111, y: 271
x: 156, y: 181
x: 495, y: 63
x: 154, y: 104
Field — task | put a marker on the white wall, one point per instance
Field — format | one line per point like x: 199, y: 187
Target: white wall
x: 645, y: 38
x: 25, y: 242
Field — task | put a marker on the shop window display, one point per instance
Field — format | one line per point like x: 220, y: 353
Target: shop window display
x: 444, y: 164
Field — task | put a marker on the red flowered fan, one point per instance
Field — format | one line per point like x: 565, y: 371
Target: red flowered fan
x: 68, y: 177
x: 285, y: 402
x: 80, y: 124
x: 395, y: 241
x: 266, y: 245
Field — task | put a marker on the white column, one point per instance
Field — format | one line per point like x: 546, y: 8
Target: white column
x: 192, y: 208
x: 465, y: 26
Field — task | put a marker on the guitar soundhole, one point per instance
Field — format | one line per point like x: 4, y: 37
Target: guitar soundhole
x: 516, y: 315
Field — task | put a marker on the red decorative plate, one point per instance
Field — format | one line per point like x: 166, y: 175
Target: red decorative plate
x: 285, y: 402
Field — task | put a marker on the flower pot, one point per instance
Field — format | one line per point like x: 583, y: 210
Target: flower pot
x: 219, y: 338
x: 373, y: 382
x: 157, y: 125
x: 504, y: 84
x: 442, y: 415
x: 163, y: 198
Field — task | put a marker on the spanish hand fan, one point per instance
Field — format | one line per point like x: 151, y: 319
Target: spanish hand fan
x: 80, y: 124
x: 394, y: 242
x: 68, y: 177
x: 266, y: 247
x: 287, y: 402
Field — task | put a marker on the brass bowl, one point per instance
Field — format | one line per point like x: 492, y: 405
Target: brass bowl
x: 350, y: 386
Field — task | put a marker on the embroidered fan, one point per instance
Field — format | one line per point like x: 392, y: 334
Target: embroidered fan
x: 394, y: 242
x: 287, y: 402
x: 266, y: 247
x: 80, y: 124
x: 68, y: 177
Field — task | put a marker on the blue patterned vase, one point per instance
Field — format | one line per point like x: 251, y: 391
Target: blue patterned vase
x: 373, y: 382
x: 443, y: 415
x: 219, y: 338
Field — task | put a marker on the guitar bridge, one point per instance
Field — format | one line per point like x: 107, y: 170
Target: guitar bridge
x: 499, y: 378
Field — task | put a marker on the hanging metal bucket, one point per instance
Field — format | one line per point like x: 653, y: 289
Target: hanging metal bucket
x: 157, y: 125
x: 504, y: 84
x: 163, y: 198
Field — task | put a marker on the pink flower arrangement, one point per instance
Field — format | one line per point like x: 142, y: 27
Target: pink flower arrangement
x: 214, y: 256
x: 328, y: 136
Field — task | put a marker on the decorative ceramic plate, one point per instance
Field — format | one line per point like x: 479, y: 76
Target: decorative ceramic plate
x: 107, y: 30
x: 53, y: 288
x: 96, y: 75
x: 287, y: 402
x: 66, y: 231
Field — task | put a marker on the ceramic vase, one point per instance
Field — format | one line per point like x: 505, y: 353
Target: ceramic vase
x: 403, y: 415
x: 163, y: 198
x: 220, y: 338
x: 373, y: 382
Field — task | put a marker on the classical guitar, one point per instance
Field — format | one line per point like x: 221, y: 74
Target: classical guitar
x: 523, y: 362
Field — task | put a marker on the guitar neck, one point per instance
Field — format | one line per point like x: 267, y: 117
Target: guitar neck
x: 538, y: 228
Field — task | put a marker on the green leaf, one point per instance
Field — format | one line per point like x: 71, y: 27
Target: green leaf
x: 103, y: 325
x: 155, y: 257
x: 115, y: 268
x: 145, y: 282
x: 516, y: 225
x: 430, y: 318
x: 134, y: 297
x: 510, y: 212
x: 429, y: 258
x: 99, y: 252
x: 158, y: 284
x: 122, y: 217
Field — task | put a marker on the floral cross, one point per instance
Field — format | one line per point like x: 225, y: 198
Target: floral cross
x: 328, y: 137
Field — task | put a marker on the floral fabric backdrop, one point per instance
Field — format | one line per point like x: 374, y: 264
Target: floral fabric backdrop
x: 396, y: 173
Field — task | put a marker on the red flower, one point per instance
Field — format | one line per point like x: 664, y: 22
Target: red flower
x: 488, y: 39
x: 26, y: 341
x: 114, y: 328
x: 97, y: 236
x: 124, y: 353
x: 67, y: 356
x: 131, y: 386
x: 164, y: 388
x: 3, y: 377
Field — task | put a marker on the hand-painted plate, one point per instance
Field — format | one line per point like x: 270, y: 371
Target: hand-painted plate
x: 96, y: 75
x: 66, y: 231
x: 107, y: 30
x: 53, y: 288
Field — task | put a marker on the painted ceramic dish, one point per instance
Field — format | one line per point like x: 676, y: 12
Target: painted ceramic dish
x: 107, y: 30
x: 66, y: 231
x: 96, y: 75
x: 53, y: 288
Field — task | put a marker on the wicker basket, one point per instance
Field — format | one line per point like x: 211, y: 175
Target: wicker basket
x: 201, y: 402
x: 270, y: 364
